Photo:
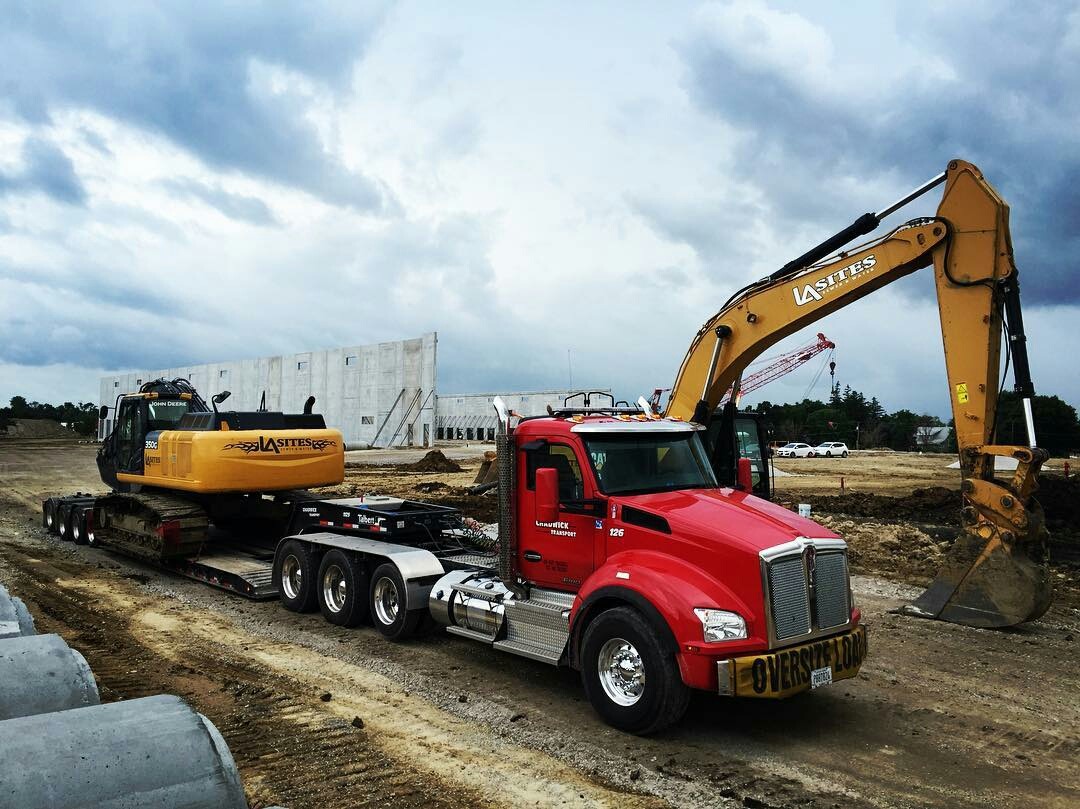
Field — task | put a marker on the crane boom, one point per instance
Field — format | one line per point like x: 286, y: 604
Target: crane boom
x: 781, y: 366
x: 997, y: 574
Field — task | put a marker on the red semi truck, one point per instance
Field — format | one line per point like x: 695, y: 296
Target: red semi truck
x: 619, y: 555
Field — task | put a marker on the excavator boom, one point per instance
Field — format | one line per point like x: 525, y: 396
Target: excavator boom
x: 997, y: 572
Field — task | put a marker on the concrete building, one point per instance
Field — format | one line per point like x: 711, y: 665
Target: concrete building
x: 378, y: 395
x: 471, y: 416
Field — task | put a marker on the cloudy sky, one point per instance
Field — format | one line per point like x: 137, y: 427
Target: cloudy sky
x: 243, y: 179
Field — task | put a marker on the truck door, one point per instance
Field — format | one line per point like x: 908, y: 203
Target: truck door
x: 557, y: 554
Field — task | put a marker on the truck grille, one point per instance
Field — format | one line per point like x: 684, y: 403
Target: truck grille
x: 796, y: 608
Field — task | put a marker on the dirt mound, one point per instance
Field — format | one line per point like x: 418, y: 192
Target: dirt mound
x: 936, y: 505
x: 432, y: 486
x: 38, y: 428
x: 434, y: 461
x: 897, y: 551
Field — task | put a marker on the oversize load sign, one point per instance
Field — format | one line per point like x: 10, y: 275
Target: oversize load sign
x: 790, y: 671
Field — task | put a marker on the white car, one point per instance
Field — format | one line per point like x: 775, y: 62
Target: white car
x: 830, y: 449
x: 795, y: 450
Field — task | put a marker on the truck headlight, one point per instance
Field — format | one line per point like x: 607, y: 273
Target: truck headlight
x: 720, y: 625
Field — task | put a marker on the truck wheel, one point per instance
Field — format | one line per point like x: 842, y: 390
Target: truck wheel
x: 343, y: 589
x: 48, y: 515
x: 296, y: 572
x: 630, y: 679
x: 89, y: 527
x: 388, y: 611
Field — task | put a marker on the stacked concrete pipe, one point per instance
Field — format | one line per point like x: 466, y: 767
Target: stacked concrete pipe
x: 61, y: 749
x: 15, y: 619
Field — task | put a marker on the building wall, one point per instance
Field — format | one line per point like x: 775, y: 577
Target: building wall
x: 377, y: 395
x: 471, y: 416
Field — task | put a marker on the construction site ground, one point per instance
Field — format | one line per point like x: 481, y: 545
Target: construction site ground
x: 941, y: 715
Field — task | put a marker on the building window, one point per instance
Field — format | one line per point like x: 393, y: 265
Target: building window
x: 116, y: 384
x: 222, y: 374
x: 302, y: 365
x: 138, y: 381
x: 350, y: 360
x: 367, y: 419
x: 491, y: 433
x: 439, y: 434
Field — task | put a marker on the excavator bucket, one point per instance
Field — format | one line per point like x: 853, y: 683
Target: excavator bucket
x: 990, y: 582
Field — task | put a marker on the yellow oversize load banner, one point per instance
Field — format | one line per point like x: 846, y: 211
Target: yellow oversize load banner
x: 798, y: 668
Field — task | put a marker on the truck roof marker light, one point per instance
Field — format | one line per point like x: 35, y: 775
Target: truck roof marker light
x: 622, y: 574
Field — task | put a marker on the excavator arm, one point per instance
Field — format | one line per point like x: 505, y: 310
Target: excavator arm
x: 996, y: 574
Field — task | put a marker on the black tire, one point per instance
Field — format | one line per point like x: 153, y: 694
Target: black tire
x: 828, y: 454
x: 48, y: 515
x: 342, y: 589
x: 387, y: 600
x: 296, y: 569
x: 663, y: 697
x: 89, y: 526
x: 63, y: 521
x: 78, y: 525
x: 844, y: 455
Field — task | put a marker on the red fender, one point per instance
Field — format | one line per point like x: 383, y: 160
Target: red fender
x: 667, y: 590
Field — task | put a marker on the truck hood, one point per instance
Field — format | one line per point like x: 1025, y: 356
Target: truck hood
x: 727, y: 516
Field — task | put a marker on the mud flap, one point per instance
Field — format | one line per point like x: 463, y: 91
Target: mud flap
x: 990, y: 583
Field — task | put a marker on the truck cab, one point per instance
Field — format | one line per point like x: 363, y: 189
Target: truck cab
x: 720, y: 589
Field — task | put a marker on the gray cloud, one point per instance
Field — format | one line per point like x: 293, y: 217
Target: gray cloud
x: 234, y: 206
x: 188, y: 75
x: 806, y: 140
x: 45, y: 169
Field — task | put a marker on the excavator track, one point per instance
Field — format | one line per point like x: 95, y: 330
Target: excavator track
x: 156, y: 527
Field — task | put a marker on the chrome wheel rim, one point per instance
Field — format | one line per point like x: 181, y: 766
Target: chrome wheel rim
x: 76, y: 534
x: 622, y: 672
x: 386, y: 601
x: 334, y: 589
x: 292, y: 577
x: 50, y: 517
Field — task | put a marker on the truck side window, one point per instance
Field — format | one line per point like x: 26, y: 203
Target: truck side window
x: 563, y: 460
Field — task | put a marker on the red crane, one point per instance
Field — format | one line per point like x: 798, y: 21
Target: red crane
x: 777, y: 367
x: 774, y: 368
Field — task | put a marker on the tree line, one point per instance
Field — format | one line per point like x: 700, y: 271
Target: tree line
x: 81, y: 417
x: 863, y: 423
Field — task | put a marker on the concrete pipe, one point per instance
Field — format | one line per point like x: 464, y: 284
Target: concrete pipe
x: 15, y: 618
x: 151, y: 752
x: 41, y: 674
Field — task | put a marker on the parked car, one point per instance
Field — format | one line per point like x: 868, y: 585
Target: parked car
x: 795, y: 450
x: 830, y: 449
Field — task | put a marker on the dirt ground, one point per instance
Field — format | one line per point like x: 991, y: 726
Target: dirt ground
x: 940, y: 715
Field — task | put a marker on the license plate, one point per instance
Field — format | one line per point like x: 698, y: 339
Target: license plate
x: 797, y: 668
x: 820, y: 677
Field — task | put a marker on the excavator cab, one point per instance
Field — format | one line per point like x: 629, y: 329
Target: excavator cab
x: 731, y: 436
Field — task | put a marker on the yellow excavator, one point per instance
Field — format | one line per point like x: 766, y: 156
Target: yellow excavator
x: 996, y: 574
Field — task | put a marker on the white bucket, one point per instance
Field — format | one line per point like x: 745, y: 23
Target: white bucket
x: 804, y: 509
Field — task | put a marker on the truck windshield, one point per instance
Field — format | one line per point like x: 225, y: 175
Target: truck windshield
x: 626, y: 463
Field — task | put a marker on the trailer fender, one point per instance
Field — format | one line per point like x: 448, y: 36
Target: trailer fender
x: 419, y: 568
x: 664, y: 589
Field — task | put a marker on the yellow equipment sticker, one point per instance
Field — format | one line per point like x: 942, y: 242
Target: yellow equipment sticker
x: 799, y: 668
x: 962, y: 393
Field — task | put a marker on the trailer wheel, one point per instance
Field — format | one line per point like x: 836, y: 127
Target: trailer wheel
x: 89, y: 527
x: 48, y: 515
x: 343, y: 589
x: 78, y: 525
x: 630, y: 679
x: 63, y: 521
x: 296, y: 573
x: 387, y: 596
